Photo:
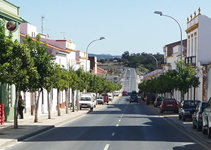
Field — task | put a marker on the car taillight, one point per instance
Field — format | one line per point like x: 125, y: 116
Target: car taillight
x: 200, y: 115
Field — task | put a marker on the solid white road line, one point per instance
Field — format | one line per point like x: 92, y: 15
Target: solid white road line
x: 106, y: 147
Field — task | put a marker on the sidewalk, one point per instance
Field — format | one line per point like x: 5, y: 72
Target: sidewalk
x: 185, y: 126
x: 27, y: 127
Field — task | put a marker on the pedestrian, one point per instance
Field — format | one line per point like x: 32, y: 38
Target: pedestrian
x: 21, y: 106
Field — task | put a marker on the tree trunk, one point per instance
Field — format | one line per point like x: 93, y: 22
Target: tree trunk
x: 16, y: 109
x: 49, y: 107
x: 182, y: 96
x: 67, y: 101
x: 73, y: 105
x: 58, y: 102
x: 194, y: 93
x: 37, y: 106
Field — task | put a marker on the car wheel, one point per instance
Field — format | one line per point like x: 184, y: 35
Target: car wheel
x: 80, y: 108
x: 204, y: 131
x: 180, y: 117
x: 193, y: 125
x: 183, y: 118
x: 198, y: 127
x: 91, y: 108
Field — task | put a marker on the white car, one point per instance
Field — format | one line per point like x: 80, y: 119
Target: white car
x: 116, y: 93
x: 100, y: 100
x: 110, y: 96
x: 87, y: 101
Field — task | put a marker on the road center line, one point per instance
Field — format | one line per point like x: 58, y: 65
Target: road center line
x: 106, y: 147
x: 119, y: 120
x: 113, y: 133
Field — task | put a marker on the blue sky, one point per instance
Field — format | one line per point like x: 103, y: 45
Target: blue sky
x: 128, y: 25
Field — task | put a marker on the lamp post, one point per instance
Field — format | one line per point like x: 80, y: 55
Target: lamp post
x: 156, y: 65
x: 101, y: 38
x: 161, y: 14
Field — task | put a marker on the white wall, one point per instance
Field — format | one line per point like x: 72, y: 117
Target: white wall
x: 204, y: 39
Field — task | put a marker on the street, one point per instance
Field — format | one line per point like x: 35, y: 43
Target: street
x: 116, y: 126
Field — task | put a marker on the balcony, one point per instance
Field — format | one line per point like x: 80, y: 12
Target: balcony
x: 190, y: 60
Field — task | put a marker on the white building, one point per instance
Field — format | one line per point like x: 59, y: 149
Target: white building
x: 65, y: 54
x: 198, y: 50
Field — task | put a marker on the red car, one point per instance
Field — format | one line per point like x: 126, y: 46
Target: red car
x: 124, y: 93
x: 168, y: 104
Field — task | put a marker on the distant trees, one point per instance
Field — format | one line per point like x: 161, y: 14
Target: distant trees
x: 142, y: 60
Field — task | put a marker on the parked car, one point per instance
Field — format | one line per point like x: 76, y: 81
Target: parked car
x: 197, y: 115
x: 149, y: 98
x: 187, y: 108
x: 168, y: 104
x: 157, y: 101
x: 134, y: 98
x: 87, y: 101
x: 134, y: 92
x: 110, y: 97
x: 116, y: 93
x: 105, y: 98
x: 124, y: 93
x: 100, y: 100
x: 206, y: 120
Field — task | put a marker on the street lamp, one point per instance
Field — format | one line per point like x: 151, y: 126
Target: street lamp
x: 161, y: 14
x: 156, y: 65
x: 101, y: 38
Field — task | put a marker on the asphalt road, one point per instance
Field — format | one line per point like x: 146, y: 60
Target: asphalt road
x: 117, y: 126
x: 129, y: 81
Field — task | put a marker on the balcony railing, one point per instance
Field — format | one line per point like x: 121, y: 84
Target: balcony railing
x: 190, y: 60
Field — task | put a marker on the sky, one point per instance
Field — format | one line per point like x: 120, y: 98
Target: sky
x: 128, y: 25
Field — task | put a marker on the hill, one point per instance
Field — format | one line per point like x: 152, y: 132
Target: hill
x: 104, y: 56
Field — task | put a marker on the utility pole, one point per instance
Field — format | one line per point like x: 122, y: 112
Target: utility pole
x: 64, y: 35
x: 42, y: 25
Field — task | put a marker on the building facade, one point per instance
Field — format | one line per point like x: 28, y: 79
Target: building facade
x: 9, y: 12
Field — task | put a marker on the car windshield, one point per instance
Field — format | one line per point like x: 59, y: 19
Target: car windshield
x: 159, y: 99
x: 169, y: 100
x: 190, y: 104
x: 100, y: 97
x: 85, y: 99
x: 133, y: 96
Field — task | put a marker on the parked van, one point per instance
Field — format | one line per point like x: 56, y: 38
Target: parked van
x: 116, y: 93
x: 105, y: 97
x: 87, y: 101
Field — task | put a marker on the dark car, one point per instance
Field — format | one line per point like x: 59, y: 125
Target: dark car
x: 149, y: 98
x: 158, y: 101
x: 187, y: 108
x: 197, y: 115
x: 124, y: 93
x: 168, y: 104
x: 134, y: 98
x: 206, y: 120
